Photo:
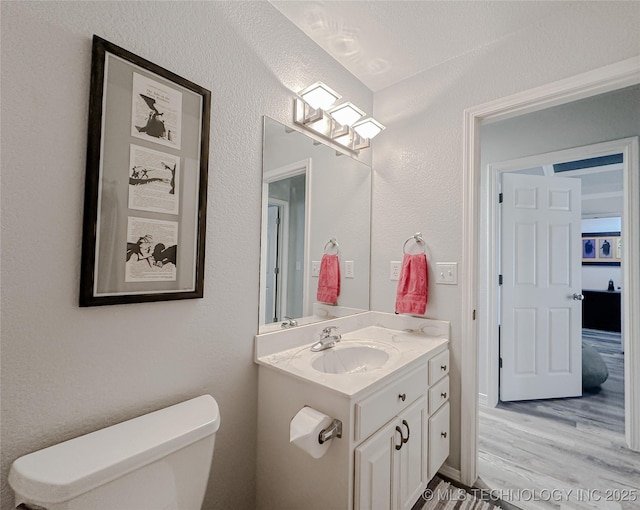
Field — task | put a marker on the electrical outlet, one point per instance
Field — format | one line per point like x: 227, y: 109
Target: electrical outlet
x: 315, y: 268
x: 348, y: 269
x: 447, y: 273
x: 395, y: 270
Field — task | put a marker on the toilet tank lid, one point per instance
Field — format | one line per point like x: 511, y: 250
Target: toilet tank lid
x: 66, y: 470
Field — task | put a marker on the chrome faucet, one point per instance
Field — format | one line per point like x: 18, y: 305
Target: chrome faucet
x: 288, y: 323
x: 327, y: 340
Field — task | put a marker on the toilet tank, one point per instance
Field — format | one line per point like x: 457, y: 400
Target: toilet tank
x: 159, y: 461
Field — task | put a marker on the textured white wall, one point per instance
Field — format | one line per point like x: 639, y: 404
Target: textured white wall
x: 66, y: 370
x: 418, y: 159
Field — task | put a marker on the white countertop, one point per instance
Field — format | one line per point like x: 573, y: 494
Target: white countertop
x: 405, y: 347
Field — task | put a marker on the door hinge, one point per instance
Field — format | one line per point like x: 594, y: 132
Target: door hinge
x: 499, y: 345
x: 500, y: 198
x: 499, y: 279
x: 276, y: 270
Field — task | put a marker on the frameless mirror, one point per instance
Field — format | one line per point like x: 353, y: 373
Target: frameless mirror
x: 314, y: 201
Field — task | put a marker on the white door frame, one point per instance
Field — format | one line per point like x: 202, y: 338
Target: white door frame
x: 605, y: 79
x: 489, y: 315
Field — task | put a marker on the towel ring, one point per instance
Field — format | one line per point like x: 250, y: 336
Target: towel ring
x: 332, y: 242
x: 418, y: 239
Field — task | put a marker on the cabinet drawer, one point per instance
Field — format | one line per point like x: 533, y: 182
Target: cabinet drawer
x: 438, y: 395
x: 438, y: 367
x: 376, y: 410
x: 438, y: 439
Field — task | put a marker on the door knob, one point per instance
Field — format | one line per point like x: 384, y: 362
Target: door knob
x: 578, y: 297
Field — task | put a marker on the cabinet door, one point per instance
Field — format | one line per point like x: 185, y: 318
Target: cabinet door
x: 438, y: 439
x: 413, y: 469
x: 375, y: 470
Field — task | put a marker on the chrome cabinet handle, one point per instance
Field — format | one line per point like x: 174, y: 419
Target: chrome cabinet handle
x: 402, y: 441
x: 404, y: 422
x: 402, y: 396
x: 578, y: 297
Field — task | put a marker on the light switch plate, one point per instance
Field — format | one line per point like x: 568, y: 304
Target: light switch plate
x: 348, y: 269
x: 315, y: 268
x: 447, y: 273
x: 394, y: 273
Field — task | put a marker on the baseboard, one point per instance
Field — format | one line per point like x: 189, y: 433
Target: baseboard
x: 483, y: 400
x: 451, y: 473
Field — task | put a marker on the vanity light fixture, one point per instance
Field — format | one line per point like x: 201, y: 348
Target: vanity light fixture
x: 319, y: 95
x: 314, y: 110
x: 368, y: 128
x: 346, y: 114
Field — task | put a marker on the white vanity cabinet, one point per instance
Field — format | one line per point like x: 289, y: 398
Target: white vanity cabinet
x: 411, y: 447
x: 395, y: 419
x: 439, y: 413
x: 396, y: 453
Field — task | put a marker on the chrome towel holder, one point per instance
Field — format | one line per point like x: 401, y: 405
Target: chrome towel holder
x: 417, y: 237
x: 332, y: 242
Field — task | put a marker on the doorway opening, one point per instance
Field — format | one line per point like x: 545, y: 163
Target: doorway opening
x: 557, y: 328
x: 527, y: 421
x: 543, y: 427
x: 610, y: 78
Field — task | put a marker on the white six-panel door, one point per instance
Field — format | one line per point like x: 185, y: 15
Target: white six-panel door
x: 541, y: 307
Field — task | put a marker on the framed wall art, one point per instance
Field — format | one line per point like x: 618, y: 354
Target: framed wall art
x: 146, y: 182
x: 601, y: 249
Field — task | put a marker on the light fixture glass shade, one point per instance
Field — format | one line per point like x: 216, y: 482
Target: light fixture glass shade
x: 319, y: 95
x: 347, y: 114
x: 368, y: 128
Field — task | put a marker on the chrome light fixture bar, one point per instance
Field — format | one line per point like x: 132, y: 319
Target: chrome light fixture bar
x: 314, y: 110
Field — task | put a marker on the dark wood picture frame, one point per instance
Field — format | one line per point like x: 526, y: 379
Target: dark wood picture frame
x: 601, y: 249
x: 145, y: 197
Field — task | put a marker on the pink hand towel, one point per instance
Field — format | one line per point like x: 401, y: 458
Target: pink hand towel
x: 329, y: 279
x: 413, y: 285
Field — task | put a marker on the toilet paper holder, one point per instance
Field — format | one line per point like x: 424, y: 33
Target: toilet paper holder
x: 333, y: 430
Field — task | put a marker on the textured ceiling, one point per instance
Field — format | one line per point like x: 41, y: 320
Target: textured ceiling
x: 385, y: 42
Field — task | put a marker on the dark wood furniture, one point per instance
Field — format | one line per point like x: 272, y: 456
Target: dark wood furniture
x: 601, y: 310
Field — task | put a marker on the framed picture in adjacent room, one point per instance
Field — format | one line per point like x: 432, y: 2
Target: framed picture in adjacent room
x: 601, y: 249
x: 146, y: 182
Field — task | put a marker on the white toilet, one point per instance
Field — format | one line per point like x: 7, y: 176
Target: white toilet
x: 159, y: 461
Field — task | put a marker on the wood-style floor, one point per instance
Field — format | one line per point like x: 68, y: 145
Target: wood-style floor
x: 563, y: 453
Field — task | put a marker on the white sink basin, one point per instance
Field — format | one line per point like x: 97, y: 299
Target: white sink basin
x: 349, y: 359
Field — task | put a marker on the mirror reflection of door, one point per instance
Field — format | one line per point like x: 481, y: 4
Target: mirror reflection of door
x: 277, y: 225
x: 329, y: 196
x: 288, y: 287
